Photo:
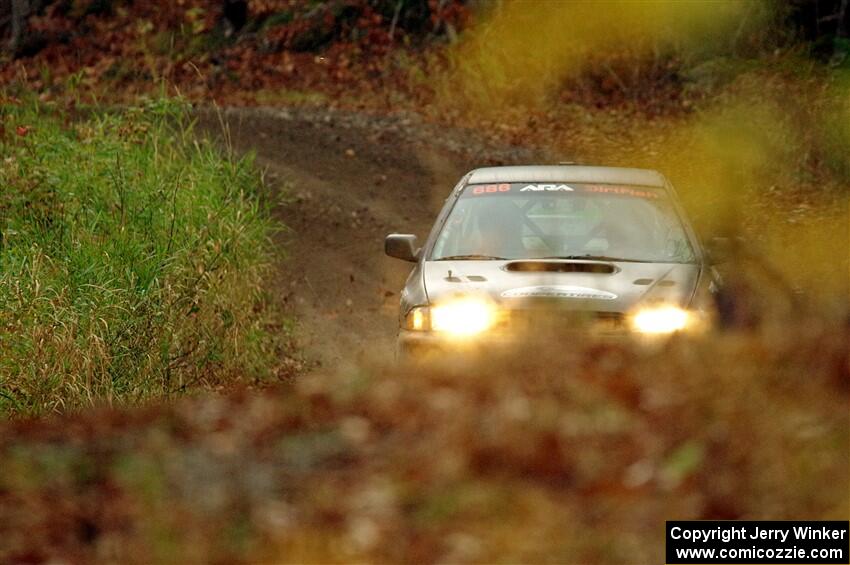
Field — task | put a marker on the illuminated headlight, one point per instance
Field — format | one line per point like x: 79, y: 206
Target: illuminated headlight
x: 661, y: 320
x: 462, y: 317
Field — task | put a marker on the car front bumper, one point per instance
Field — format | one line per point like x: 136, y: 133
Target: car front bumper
x: 426, y: 345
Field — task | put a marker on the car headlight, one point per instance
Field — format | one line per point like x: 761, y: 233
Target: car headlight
x: 661, y: 319
x: 461, y: 317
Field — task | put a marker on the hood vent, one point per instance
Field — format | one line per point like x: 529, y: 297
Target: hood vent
x: 559, y: 267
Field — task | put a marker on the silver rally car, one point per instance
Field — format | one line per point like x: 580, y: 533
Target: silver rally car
x: 518, y: 249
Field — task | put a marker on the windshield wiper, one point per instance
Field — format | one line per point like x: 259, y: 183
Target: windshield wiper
x: 596, y: 258
x: 471, y: 258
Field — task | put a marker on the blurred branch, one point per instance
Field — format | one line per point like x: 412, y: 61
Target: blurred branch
x: 439, y: 10
x: 19, y: 12
x: 842, y: 17
x: 17, y: 17
x: 398, y: 6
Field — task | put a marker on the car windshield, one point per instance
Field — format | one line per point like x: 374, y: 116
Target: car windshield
x: 563, y: 220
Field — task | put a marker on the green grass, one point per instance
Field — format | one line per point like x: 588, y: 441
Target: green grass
x: 132, y: 262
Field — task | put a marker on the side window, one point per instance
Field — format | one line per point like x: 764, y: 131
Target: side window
x: 454, y: 231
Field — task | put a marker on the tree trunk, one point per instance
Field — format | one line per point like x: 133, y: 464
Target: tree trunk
x: 234, y: 15
x: 20, y: 11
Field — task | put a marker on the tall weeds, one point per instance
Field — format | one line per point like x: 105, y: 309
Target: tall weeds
x: 132, y: 261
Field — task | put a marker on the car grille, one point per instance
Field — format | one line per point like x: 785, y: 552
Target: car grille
x: 535, y: 320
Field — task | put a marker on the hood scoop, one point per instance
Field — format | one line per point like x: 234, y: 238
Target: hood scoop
x: 559, y: 267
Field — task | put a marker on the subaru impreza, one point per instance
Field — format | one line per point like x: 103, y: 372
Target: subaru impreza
x: 521, y: 250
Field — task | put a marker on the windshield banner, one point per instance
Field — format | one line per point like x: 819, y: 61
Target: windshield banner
x: 532, y: 188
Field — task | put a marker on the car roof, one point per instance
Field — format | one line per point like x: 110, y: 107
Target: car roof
x: 567, y: 173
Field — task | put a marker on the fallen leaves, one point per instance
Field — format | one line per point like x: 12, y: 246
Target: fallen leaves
x: 475, y: 461
x: 133, y: 49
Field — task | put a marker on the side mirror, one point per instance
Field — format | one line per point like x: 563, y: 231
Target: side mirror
x: 401, y: 246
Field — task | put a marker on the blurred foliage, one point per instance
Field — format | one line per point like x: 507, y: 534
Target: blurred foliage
x: 823, y: 24
x: 132, y: 261
x: 527, y: 51
x: 573, y: 455
x: 748, y: 126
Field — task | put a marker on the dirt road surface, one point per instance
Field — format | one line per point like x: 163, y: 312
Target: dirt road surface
x: 348, y: 180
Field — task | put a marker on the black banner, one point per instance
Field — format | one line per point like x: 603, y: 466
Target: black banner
x: 758, y: 542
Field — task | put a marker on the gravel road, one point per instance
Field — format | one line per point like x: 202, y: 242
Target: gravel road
x: 349, y: 179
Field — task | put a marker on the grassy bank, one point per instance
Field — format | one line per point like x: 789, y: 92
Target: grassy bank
x: 132, y: 261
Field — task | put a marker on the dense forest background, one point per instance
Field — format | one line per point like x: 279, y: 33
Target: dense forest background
x: 316, y: 23
x: 229, y: 47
